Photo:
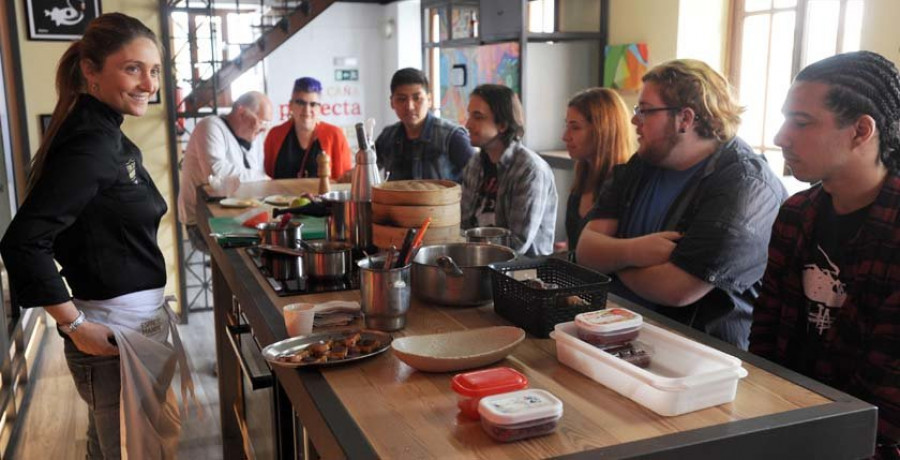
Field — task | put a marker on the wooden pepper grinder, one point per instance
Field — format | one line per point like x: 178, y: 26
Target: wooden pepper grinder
x: 323, y: 164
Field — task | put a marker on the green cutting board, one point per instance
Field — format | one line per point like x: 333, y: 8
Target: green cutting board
x: 313, y: 228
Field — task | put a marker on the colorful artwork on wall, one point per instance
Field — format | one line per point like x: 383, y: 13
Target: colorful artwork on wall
x: 625, y: 65
x: 497, y: 63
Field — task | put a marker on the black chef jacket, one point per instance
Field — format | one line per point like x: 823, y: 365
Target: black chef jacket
x: 95, y: 210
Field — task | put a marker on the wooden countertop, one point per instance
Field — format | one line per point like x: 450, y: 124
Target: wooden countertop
x: 391, y: 410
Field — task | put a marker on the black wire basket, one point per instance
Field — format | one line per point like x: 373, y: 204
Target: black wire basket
x: 565, y: 290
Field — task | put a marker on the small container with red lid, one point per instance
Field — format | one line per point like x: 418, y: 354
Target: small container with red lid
x: 612, y: 325
x: 472, y: 386
x: 521, y: 414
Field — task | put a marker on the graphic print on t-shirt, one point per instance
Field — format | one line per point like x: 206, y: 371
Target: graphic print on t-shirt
x: 487, y: 196
x: 825, y: 292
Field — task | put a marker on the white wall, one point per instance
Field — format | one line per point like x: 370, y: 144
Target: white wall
x: 555, y: 72
x: 356, y: 31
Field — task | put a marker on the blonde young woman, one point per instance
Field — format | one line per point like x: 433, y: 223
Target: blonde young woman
x: 597, y: 137
x: 93, y: 208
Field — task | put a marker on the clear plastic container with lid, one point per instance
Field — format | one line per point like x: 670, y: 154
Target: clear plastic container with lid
x: 472, y: 386
x: 520, y: 414
x: 612, y: 325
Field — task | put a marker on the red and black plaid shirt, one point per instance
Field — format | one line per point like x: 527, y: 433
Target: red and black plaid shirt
x: 862, y: 351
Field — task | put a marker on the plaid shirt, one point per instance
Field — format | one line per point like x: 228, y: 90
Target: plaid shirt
x: 526, y: 198
x: 862, y: 351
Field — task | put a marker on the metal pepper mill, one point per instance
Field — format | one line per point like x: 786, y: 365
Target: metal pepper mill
x: 323, y: 165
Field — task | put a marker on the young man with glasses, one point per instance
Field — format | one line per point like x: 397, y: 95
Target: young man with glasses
x: 293, y: 147
x: 420, y: 145
x: 830, y: 301
x: 223, y: 146
x: 684, y: 225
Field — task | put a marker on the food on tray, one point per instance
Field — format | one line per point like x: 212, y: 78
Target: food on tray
x: 320, y: 348
x: 327, y: 348
x: 315, y: 359
x: 338, y: 352
x: 351, y: 339
x: 367, y: 345
x: 633, y: 352
x: 573, y: 301
x: 537, y: 283
x: 612, y: 325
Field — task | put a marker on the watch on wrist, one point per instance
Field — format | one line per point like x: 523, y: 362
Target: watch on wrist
x: 73, y: 326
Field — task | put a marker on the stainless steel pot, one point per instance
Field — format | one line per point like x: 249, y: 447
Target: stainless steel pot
x: 281, y: 266
x: 339, y: 220
x: 494, y: 235
x: 273, y: 233
x: 327, y: 259
x: 456, y: 274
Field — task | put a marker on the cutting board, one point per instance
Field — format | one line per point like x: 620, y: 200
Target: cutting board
x: 313, y: 228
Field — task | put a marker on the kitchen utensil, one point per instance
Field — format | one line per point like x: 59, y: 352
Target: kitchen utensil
x: 272, y: 233
x: 327, y: 259
x: 384, y: 294
x: 339, y: 219
x: 282, y: 250
x: 364, y: 177
x: 454, y: 351
x: 405, y: 248
x: 432, y: 284
x: 493, y: 235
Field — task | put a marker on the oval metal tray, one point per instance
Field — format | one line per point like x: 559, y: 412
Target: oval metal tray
x: 294, y: 345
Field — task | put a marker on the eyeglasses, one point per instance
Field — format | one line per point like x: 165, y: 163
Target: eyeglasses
x: 642, y: 112
x: 304, y: 103
x: 264, y: 124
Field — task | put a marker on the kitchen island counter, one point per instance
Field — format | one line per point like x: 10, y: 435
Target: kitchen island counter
x: 381, y: 408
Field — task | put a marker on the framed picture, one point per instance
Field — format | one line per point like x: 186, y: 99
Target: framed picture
x: 59, y: 20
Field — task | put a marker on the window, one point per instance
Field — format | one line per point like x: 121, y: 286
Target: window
x: 766, y: 57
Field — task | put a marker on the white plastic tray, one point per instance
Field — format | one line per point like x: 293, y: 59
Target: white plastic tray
x: 683, y: 376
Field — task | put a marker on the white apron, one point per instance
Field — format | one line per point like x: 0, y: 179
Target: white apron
x: 148, y: 412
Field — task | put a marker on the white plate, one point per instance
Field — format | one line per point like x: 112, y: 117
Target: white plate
x: 236, y: 203
x: 278, y: 200
x: 454, y: 351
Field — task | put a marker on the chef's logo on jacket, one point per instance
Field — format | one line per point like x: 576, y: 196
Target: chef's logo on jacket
x: 131, y: 168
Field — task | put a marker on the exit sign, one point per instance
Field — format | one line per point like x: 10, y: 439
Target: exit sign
x: 346, y: 75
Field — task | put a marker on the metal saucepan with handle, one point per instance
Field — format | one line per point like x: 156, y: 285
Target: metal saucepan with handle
x: 495, y: 235
x: 456, y: 274
x: 275, y: 235
x: 327, y: 259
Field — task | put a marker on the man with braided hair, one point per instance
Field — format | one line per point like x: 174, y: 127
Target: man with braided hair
x: 830, y: 304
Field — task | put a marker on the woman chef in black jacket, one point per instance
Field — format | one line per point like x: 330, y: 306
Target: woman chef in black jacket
x: 92, y: 207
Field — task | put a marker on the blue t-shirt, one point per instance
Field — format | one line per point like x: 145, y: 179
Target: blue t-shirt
x: 660, y: 189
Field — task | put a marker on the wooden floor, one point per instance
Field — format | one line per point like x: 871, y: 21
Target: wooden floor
x: 55, y: 421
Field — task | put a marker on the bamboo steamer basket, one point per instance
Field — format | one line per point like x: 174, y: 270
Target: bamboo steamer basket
x: 383, y: 236
x: 417, y: 193
x: 413, y: 216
